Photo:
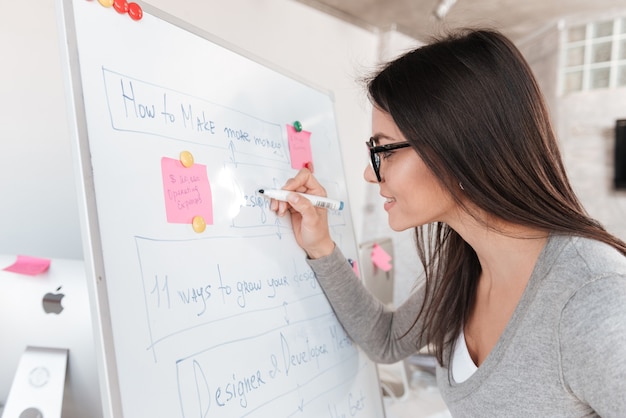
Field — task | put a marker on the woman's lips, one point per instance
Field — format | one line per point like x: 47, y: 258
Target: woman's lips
x: 389, y: 202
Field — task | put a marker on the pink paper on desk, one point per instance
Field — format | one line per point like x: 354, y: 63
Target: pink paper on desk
x: 381, y: 258
x: 187, y: 192
x: 29, y: 265
x: 299, y: 147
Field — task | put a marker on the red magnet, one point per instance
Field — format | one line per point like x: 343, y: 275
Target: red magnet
x: 134, y: 11
x: 121, y: 6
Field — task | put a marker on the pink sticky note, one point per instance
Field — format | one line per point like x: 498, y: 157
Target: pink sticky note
x: 187, y: 192
x: 381, y: 258
x: 29, y: 265
x: 299, y: 147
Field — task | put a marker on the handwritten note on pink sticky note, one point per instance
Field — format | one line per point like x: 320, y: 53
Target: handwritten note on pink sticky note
x: 29, y: 265
x: 187, y: 192
x: 299, y: 147
x: 381, y: 258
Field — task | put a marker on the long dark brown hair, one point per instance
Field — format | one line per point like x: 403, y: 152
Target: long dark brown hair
x: 472, y: 110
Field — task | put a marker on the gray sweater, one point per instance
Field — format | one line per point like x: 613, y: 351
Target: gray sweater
x: 562, y: 354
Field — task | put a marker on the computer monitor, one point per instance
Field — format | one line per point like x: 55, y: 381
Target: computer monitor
x: 24, y: 322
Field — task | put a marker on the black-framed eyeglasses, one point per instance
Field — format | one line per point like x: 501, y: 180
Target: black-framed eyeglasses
x: 376, y: 149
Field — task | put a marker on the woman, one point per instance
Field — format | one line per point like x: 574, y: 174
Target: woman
x: 524, y: 302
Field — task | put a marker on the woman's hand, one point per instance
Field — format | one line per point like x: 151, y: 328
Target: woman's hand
x: 310, y: 223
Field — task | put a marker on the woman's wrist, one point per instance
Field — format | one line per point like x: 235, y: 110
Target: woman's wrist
x: 320, y: 251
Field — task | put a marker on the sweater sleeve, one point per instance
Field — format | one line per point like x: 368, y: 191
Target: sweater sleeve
x: 378, y: 330
x: 593, y: 345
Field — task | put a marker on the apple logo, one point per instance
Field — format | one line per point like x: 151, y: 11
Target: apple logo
x: 52, y: 302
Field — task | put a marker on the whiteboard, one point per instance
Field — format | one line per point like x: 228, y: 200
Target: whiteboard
x: 228, y: 321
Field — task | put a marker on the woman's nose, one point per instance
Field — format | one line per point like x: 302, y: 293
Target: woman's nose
x: 369, y: 174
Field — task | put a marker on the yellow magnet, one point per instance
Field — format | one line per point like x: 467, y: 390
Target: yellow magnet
x: 106, y: 3
x: 198, y: 224
x: 186, y: 159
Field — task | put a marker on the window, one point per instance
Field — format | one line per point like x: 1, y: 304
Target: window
x: 594, y: 56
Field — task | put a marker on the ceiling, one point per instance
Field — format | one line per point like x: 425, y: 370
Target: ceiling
x: 518, y: 19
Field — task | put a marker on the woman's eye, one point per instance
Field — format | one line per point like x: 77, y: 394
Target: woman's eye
x: 387, y: 154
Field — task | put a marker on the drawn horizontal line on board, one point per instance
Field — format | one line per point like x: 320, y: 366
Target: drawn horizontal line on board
x: 221, y: 237
x: 248, y: 337
x: 212, y: 237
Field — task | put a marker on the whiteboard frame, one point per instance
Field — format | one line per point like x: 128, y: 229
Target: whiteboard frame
x: 88, y: 214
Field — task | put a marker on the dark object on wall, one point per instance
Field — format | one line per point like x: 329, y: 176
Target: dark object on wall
x: 620, y: 154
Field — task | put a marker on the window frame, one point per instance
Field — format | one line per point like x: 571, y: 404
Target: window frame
x: 588, y: 68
